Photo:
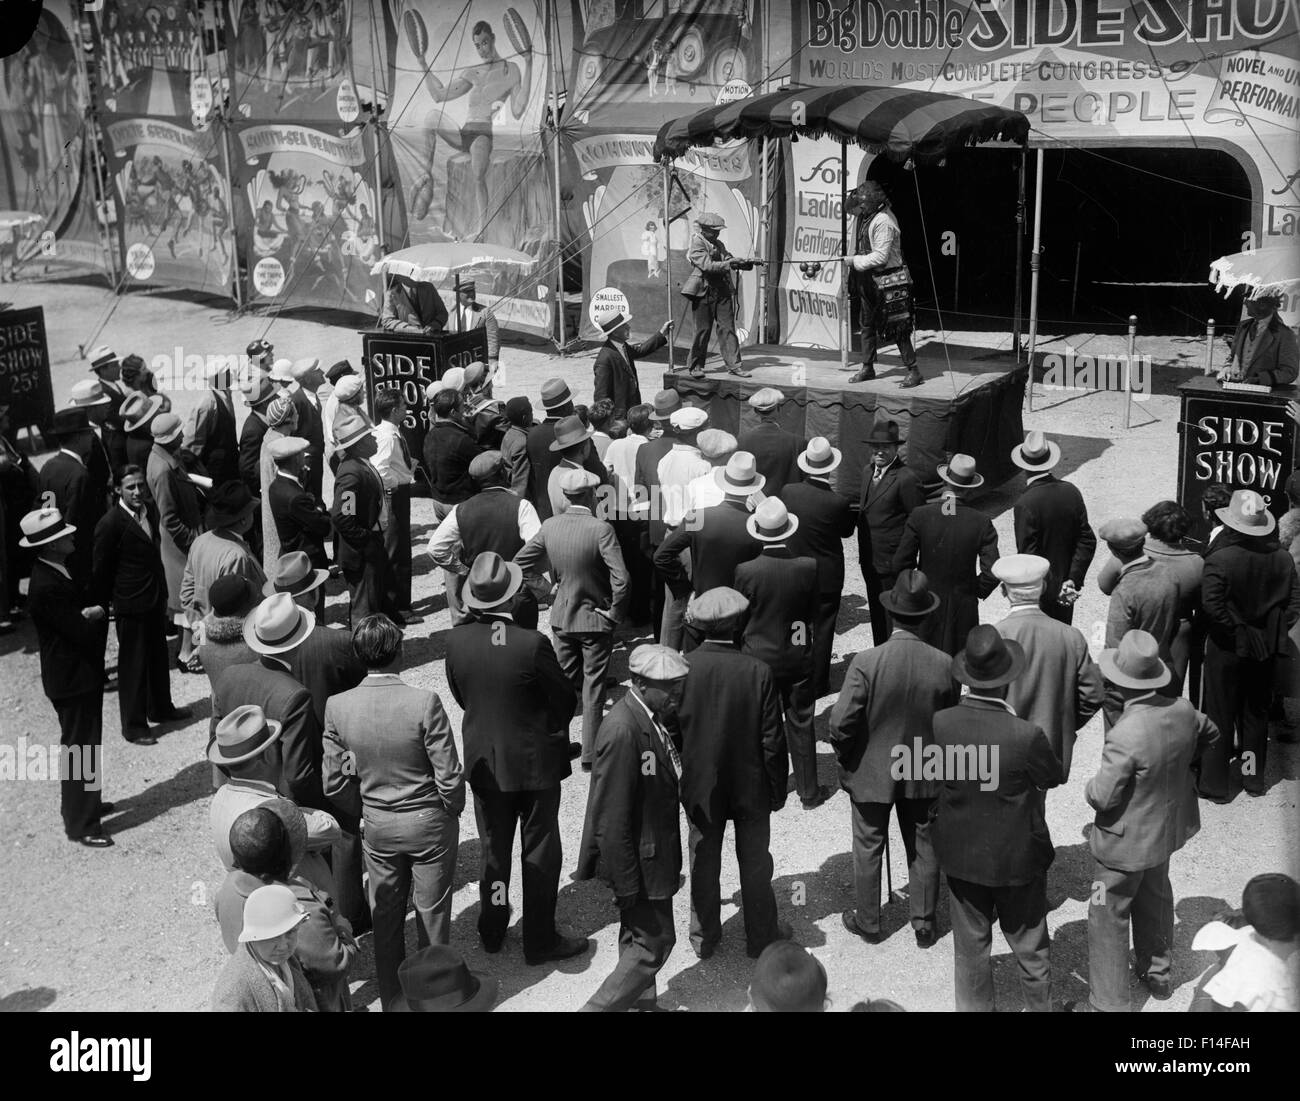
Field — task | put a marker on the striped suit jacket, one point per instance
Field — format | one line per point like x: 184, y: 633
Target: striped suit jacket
x: 587, y: 565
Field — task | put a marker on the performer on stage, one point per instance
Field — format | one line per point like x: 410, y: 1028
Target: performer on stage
x: 711, y: 289
x: 1264, y: 350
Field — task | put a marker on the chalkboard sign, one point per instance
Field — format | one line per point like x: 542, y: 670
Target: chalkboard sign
x: 25, y: 369
x: 410, y: 362
x: 1239, y: 440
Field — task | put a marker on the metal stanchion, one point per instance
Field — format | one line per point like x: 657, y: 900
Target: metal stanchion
x: 1207, y: 366
x: 1128, y: 369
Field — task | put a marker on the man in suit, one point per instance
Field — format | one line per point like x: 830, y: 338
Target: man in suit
x: 128, y: 573
x: 1061, y: 687
x: 1145, y: 800
x: 647, y: 504
x: 735, y: 769
x: 310, y: 422
x: 631, y: 837
x: 774, y: 449
x: 573, y: 445
x: 258, y: 395
x: 1264, y: 350
x: 89, y: 395
x: 590, y: 599
x: 1052, y: 521
x: 301, y: 522
x: 106, y: 368
x: 885, y: 709
x: 557, y: 401
x: 210, y: 434
x: 472, y: 314
x: 825, y: 521
x: 989, y: 831
x: 411, y: 307
x: 615, y: 367
x: 514, y: 444
x: 358, y: 499
x: 889, y: 494
x: 955, y: 546
x: 179, y: 517
x: 72, y: 633
x: 711, y: 290
x: 517, y: 704
x: 782, y: 593
x: 221, y: 550
x: 1250, y: 602
x: 64, y: 482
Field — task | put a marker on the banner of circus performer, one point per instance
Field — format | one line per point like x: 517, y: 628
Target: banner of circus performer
x: 173, y: 205
x: 146, y: 55
x: 467, y: 92
x: 306, y: 212
x: 291, y: 59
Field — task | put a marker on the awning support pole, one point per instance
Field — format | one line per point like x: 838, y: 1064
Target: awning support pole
x: 844, y: 252
x: 1020, y: 254
x: 1034, y: 264
x: 668, y: 256
x: 552, y: 38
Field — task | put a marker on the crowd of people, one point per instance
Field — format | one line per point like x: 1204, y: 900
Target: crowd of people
x: 339, y: 786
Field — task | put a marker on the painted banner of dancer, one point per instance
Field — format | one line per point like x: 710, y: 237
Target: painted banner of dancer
x: 306, y: 212
x: 146, y: 55
x: 173, y: 206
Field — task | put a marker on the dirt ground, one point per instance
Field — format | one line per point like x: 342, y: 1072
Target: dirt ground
x: 132, y: 927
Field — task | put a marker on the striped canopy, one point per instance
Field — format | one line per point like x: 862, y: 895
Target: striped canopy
x: 898, y: 123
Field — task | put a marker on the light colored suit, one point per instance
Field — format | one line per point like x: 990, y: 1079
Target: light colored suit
x: 178, y: 514
x: 1061, y: 687
x: 213, y: 555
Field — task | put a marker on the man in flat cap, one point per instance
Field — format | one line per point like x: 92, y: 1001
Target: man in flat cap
x: 632, y: 836
x: 716, y: 448
x: 1061, y: 687
x: 301, y: 522
x: 683, y: 463
x: 591, y: 589
x: 775, y: 450
x: 615, y: 367
x: 711, y: 290
x: 309, y: 378
x: 1145, y: 596
x: 471, y: 314
x: 735, y: 768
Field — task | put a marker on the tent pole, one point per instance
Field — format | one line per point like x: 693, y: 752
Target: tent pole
x: 844, y: 252
x: 1020, y: 254
x: 376, y: 72
x: 552, y: 38
x: 1034, y: 264
x: 668, y: 257
x: 764, y: 217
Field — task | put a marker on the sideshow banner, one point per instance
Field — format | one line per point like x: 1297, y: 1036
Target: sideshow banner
x: 291, y: 59
x: 173, y: 205
x: 468, y: 95
x: 628, y: 246
x: 306, y: 214
x: 145, y: 54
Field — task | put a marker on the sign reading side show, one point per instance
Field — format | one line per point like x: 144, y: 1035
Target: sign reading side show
x: 1240, y: 441
x: 25, y: 368
x: 409, y: 362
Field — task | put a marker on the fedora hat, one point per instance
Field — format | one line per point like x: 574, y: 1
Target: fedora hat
x: 613, y: 319
x: 666, y: 402
x: 69, y: 421
x: 87, y: 392
x: 492, y: 581
x: 819, y: 457
x: 989, y: 660
x: 42, y: 526
x: 294, y: 574
x: 277, y: 625
x: 556, y: 393
x: 959, y: 471
x: 740, y: 477
x: 229, y: 503
x: 350, y: 427
x: 1247, y: 513
x: 570, y: 431
x: 884, y: 432
x: 242, y: 735
x: 436, y: 980
x: 911, y: 595
x: 270, y: 912
x: 771, y: 521
x: 166, y: 428
x: 1036, y: 454
x: 139, y: 409
x: 1135, y: 662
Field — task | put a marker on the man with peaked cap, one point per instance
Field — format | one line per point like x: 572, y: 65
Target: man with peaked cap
x: 484, y: 415
x: 886, y: 707
x: 471, y: 314
x: 210, y: 433
x: 72, y: 633
x: 711, y: 290
x: 647, y: 501
x: 412, y: 307
x: 514, y: 444
x: 702, y: 491
x: 1145, y: 798
x: 1051, y: 520
x: 104, y: 365
x: 309, y: 378
x: 127, y: 573
x: 517, y: 704
x: 890, y: 491
x: 64, y: 482
x: 301, y: 522
x: 735, y: 769
x: 180, y: 519
x: 683, y: 464
x: 221, y: 550
x: 774, y: 449
x: 955, y: 546
x: 782, y: 593
x: 1250, y: 603
x: 358, y: 500
x: 989, y: 831
x: 590, y: 579
x: 1061, y: 687
x: 631, y: 837
x: 615, y: 367
x: 825, y: 521
x: 557, y: 403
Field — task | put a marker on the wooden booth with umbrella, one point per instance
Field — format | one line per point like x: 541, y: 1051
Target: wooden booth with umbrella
x: 971, y: 398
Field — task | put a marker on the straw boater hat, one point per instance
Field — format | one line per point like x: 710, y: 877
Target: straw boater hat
x: 277, y: 625
x: 270, y: 912
x: 294, y: 574
x: 911, y: 596
x: 988, y: 660
x: 740, y: 477
x: 166, y: 428
x: 1036, y: 454
x: 242, y: 735
x: 819, y: 457
x: 772, y: 522
x: 43, y: 526
x: 1247, y: 513
x: 104, y: 357
x: 1135, y: 662
x: 555, y: 393
x: 960, y: 472
x: 138, y: 409
x: 492, y: 582
x: 88, y: 392
x: 612, y: 318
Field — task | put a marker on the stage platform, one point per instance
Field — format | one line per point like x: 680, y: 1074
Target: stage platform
x: 975, y: 408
